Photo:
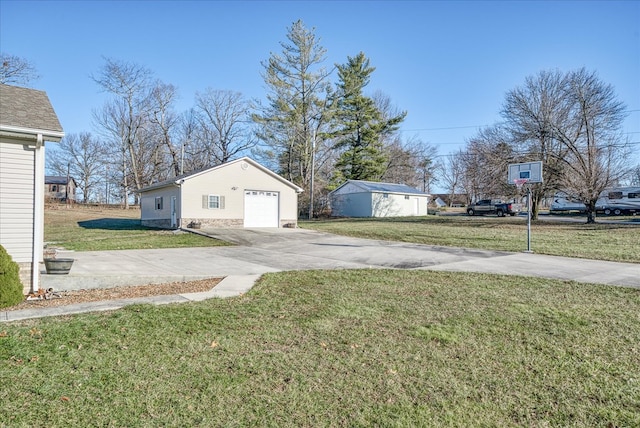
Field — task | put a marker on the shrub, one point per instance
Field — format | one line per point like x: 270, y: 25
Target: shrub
x: 10, y: 285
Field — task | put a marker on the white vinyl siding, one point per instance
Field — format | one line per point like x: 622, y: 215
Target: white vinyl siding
x: 17, y: 196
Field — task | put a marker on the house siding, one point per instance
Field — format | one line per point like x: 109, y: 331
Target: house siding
x: 397, y: 205
x: 352, y: 204
x: 153, y: 217
x: 354, y: 199
x: 230, y: 182
x: 27, y: 121
x: 16, y: 209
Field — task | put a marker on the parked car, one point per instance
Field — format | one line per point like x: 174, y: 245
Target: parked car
x: 488, y: 206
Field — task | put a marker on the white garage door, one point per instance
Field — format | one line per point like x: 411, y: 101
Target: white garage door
x: 260, y: 208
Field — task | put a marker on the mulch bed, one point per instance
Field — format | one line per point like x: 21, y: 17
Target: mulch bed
x: 64, y: 298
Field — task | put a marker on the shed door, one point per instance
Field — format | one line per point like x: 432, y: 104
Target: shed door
x: 261, y: 208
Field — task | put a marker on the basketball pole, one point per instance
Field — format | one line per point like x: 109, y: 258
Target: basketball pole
x: 526, y: 173
x: 529, y: 219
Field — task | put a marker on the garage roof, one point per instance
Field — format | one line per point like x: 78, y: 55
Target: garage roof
x: 178, y: 180
x: 377, y: 187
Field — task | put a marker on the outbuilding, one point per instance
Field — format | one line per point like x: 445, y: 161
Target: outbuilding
x: 27, y: 120
x: 60, y: 188
x: 240, y: 193
x: 357, y: 198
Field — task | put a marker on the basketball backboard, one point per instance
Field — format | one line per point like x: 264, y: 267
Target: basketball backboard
x: 531, y: 171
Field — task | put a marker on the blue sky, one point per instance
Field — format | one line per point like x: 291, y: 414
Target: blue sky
x: 448, y: 64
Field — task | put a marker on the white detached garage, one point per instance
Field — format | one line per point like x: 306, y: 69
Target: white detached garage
x: 240, y: 193
x: 358, y: 198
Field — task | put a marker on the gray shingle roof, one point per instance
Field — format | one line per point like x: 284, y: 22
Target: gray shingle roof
x: 27, y: 108
x: 57, y: 179
x: 372, y: 186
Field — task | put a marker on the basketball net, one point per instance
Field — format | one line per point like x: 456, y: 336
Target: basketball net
x: 519, y: 182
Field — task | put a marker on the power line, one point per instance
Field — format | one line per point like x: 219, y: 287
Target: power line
x: 474, y: 127
x: 443, y: 128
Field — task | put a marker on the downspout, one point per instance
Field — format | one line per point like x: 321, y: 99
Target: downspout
x: 179, y: 215
x: 38, y: 214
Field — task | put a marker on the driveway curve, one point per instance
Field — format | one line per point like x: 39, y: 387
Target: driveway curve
x: 258, y: 251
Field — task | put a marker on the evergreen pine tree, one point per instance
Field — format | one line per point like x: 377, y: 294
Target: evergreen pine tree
x: 359, y: 125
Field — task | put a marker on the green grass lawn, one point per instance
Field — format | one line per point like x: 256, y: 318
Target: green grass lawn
x: 338, y: 348
x: 98, y: 229
x: 614, y: 242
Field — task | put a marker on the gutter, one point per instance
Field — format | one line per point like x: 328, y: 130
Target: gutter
x: 39, y: 134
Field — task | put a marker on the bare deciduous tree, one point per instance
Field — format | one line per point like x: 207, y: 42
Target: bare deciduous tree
x: 82, y: 156
x: 452, y: 172
x: 597, y: 157
x: 223, y: 125
x: 15, y: 70
x: 572, y: 122
x: 122, y: 117
x: 486, y: 161
x: 166, y: 122
x: 410, y: 162
x: 531, y: 112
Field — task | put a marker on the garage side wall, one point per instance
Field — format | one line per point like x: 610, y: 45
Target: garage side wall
x: 351, y: 204
x: 398, y: 205
x: 155, y: 207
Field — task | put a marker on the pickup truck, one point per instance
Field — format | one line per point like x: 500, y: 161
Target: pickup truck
x: 487, y: 206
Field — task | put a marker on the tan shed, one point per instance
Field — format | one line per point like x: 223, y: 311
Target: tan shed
x: 240, y: 193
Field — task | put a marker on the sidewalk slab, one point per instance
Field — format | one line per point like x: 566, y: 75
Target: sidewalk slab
x: 230, y: 286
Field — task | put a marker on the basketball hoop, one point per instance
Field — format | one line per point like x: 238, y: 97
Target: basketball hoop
x: 519, y: 182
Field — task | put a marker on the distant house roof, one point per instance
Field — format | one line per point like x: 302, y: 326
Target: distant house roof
x: 57, y: 179
x: 376, y: 187
x: 28, y: 111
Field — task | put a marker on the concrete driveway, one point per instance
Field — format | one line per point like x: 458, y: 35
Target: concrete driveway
x: 270, y: 250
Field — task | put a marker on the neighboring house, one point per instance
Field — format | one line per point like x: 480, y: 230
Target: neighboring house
x: 240, y: 193
x: 57, y: 187
x: 456, y: 200
x: 27, y: 120
x: 439, y: 202
x: 357, y: 198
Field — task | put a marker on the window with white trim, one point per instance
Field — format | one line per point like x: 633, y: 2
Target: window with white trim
x: 213, y: 202
x: 159, y: 202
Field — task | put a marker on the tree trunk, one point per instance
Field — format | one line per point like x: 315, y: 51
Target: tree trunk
x: 535, y: 205
x: 591, y: 212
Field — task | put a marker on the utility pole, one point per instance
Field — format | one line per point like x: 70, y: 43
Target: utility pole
x: 313, y: 164
x: 66, y: 188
